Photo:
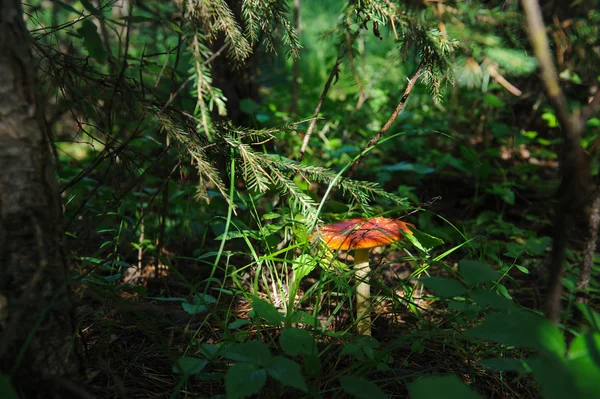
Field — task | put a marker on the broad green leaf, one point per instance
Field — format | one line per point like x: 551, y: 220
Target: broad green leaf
x: 444, y: 287
x: 302, y: 317
x: 494, y: 101
x: 295, y: 341
x: 537, y: 246
x: 474, y: 272
x: 554, y: 378
x: 270, y: 216
x: 7, y: 391
x: 238, y: 323
x: 92, y: 41
x: 254, y: 352
x: 486, y: 298
x: 303, y: 266
x: 189, y: 365
x: 361, y: 348
x: 423, y: 241
x: 243, y: 380
x: 267, y: 311
x: 312, y: 365
x: 287, y: 372
x: 590, y: 315
x: 584, y: 364
x: 447, y: 387
x: 521, y: 329
x: 360, y: 387
x: 209, y: 351
x: 88, y: 6
x: 200, y: 304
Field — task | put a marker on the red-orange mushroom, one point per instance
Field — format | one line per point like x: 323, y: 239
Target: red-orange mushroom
x: 361, y: 235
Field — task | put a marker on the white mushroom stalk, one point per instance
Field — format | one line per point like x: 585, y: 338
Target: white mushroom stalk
x: 361, y: 235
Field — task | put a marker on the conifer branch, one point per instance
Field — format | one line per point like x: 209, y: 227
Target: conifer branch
x: 390, y: 122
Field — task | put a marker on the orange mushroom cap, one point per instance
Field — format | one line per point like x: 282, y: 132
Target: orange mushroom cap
x: 363, y: 233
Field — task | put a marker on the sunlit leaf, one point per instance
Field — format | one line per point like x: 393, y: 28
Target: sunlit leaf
x: 521, y: 329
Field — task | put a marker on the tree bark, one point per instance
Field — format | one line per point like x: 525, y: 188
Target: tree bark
x: 37, y: 345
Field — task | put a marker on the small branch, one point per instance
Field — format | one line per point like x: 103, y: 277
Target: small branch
x: 503, y: 82
x: 389, y: 123
x: 575, y: 191
x: 296, y: 67
x: 332, y: 75
x: 541, y: 48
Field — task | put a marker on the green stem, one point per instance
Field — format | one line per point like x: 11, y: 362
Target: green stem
x: 363, y: 290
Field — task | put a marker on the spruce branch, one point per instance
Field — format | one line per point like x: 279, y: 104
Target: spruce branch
x: 390, y: 122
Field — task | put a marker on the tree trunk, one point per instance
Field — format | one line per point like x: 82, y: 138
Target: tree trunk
x: 37, y: 344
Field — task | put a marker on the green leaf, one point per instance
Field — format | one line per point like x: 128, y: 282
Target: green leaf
x: 295, y: 341
x: 92, y: 41
x: 7, y: 391
x: 301, y: 317
x: 303, y: 265
x: 189, y: 365
x: 584, y: 364
x: 238, y: 323
x: 312, y: 365
x: 537, y: 246
x: 502, y: 290
x: 444, y: 287
x: 474, y: 272
x: 287, y: 372
x: 199, y: 305
x: 360, y: 387
x: 592, y: 317
x: 522, y: 269
x: 88, y: 6
x: 521, y: 329
x: 361, y: 348
x: 270, y: 216
x: 423, y: 241
x: 486, y: 298
x: 554, y: 378
x: 267, y: 311
x: 447, y: 387
x: 493, y: 101
x: 209, y: 351
x: 243, y: 380
x: 254, y: 352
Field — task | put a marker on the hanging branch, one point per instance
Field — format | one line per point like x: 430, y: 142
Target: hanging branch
x: 296, y: 67
x: 390, y: 121
x: 576, y: 189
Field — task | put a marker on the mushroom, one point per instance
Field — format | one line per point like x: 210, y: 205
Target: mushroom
x: 361, y: 235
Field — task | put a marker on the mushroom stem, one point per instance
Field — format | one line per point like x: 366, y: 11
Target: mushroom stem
x: 363, y: 290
